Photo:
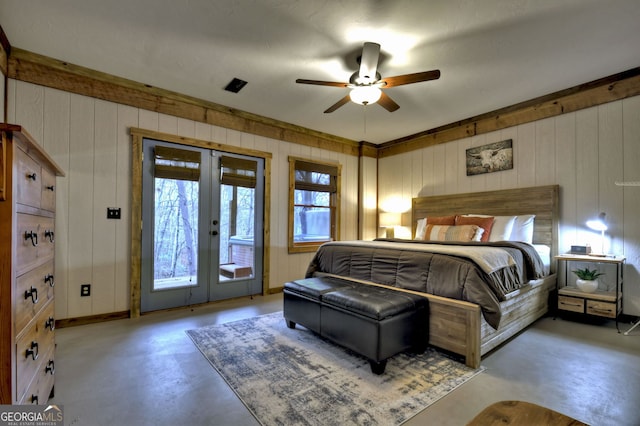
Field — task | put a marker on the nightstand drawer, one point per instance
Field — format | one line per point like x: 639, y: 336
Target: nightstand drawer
x: 572, y: 304
x: 602, y: 309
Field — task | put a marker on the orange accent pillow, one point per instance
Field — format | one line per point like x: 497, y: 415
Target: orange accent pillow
x: 485, y: 223
x: 441, y: 220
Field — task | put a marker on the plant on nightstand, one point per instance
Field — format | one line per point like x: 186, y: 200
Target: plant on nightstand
x: 587, y: 279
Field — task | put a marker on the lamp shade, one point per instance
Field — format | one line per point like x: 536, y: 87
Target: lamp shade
x: 365, y: 95
x: 389, y: 219
x: 598, y: 224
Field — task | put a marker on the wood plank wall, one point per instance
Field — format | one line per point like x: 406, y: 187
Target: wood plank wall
x: 584, y: 152
x: 90, y: 140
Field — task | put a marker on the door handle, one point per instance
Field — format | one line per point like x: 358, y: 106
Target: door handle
x: 214, y: 232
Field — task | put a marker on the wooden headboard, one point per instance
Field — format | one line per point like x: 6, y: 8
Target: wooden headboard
x: 543, y: 201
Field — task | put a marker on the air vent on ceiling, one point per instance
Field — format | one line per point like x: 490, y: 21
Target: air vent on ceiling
x: 235, y: 85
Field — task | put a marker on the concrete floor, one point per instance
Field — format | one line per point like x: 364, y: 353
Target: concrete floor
x: 146, y: 371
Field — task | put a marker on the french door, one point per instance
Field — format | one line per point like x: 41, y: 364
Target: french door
x: 202, y: 215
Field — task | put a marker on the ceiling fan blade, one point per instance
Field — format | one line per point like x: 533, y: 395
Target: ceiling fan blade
x: 411, y: 78
x: 321, y: 83
x: 369, y: 62
x: 338, y: 104
x: 387, y: 103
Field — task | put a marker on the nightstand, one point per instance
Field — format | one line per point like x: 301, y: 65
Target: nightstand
x: 606, y: 301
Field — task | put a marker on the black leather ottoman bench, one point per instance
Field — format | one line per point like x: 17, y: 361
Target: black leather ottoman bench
x: 372, y: 321
x: 302, y: 300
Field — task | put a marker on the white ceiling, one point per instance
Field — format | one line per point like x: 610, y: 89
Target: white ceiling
x: 492, y: 53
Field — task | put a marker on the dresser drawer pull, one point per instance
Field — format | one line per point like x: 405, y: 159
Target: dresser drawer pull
x: 32, y: 176
x: 31, y: 293
x: 50, y: 368
x: 50, y: 187
x: 50, y: 324
x: 48, y: 234
x: 49, y: 279
x: 34, y: 399
x: 32, y: 351
x: 32, y: 236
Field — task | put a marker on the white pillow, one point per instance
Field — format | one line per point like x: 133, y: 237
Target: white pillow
x: 421, y: 227
x: 502, y: 227
x: 523, y: 229
x: 478, y: 235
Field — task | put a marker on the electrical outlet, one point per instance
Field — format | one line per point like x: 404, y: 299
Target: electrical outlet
x: 113, y: 212
x: 85, y: 290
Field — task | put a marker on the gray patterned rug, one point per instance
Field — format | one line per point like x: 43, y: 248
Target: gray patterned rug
x: 294, y: 377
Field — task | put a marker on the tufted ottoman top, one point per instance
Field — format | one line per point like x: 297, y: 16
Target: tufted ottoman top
x: 317, y: 286
x: 374, y: 302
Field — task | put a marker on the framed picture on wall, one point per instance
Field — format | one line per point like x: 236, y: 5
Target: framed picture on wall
x: 489, y: 158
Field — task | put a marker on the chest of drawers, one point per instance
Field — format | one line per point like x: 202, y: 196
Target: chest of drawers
x: 27, y: 276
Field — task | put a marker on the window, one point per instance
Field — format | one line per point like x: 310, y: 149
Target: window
x: 314, y: 203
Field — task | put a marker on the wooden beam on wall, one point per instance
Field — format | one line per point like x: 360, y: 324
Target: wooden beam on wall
x: 368, y: 149
x: 45, y: 71
x: 609, y: 89
x: 5, y: 49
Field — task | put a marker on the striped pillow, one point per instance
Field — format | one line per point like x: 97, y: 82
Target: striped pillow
x: 453, y: 233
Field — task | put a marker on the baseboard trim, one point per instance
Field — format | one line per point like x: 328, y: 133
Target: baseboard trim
x: 92, y: 319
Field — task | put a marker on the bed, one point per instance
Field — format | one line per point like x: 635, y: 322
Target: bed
x: 469, y: 328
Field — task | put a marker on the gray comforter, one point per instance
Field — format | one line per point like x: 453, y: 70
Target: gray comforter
x: 413, y: 265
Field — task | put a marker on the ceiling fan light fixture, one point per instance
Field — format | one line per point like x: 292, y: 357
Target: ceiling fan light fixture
x: 365, y: 95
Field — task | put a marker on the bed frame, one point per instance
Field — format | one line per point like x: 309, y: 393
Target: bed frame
x: 457, y: 326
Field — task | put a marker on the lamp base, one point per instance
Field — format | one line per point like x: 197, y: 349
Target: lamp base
x: 598, y: 254
x: 390, y: 232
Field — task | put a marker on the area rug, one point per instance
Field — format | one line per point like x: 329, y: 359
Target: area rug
x: 294, y: 377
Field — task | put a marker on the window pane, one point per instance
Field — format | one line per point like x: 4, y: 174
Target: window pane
x: 312, y: 198
x: 237, y: 218
x: 313, y: 177
x: 311, y: 224
x: 175, y: 233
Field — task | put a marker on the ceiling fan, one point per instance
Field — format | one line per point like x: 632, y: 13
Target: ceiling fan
x: 366, y: 83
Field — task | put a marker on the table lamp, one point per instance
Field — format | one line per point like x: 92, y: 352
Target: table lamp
x: 599, y: 224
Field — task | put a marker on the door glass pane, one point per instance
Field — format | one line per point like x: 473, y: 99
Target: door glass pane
x: 175, y: 247
x: 237, y: 219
